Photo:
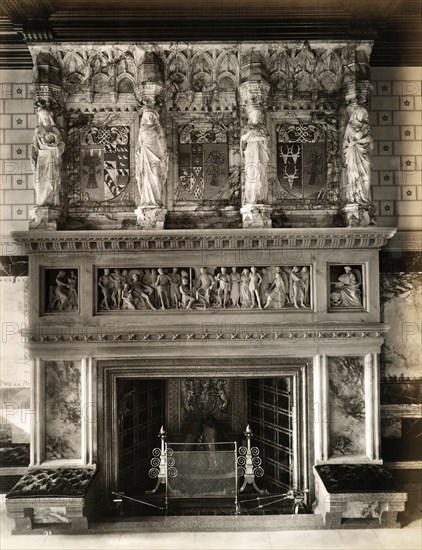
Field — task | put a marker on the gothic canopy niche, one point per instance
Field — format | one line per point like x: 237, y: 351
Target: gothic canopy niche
x: 206, y: 101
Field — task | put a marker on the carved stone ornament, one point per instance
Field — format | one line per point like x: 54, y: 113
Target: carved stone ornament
x: 61, y: 290
x: 204, y: 397
x: 132, y: 289
x: 346, y: 287
x: 168, y: 172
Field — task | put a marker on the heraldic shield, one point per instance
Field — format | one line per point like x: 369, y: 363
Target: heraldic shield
x: 105, y: 161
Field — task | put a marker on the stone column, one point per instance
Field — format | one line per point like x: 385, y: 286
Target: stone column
x: 254, y: 142
x: 151, y: 150
x: 48, y: 144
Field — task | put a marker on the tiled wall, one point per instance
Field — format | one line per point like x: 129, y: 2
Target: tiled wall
x: 17, y: 123
x: 396, y: 119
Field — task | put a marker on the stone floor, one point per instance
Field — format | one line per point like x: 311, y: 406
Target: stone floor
x: 408, y: 538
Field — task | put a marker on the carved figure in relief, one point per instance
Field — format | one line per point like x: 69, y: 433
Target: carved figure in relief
x: 175, y: 280
x: 204, y: 285
x: 151, y: 160
x: 305, y: 276
x: 162, y: 285
x: 61, y: 292
x: 139, y: 291
x: 234, y: 287
x: 357, y: 146
x: 187, y: 298
x: 257, y: 156
x: 265, y: 283
x: 277, y: 292
x: 188, y: 393
x: 46, y: 155
x: 72, y: 283
x: 127, y: 297
x: 104, y: 282
x: 223, y: 280
x: 297, y: 291
x: 245, y: 295
x: 347, y: 291
x: 117, y: 287
x: 255, y: 281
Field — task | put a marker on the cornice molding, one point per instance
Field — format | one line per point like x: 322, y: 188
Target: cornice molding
x: 191, y: 240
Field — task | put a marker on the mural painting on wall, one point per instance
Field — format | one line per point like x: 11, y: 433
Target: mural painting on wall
x: 61, y: 290
x: 104, y: 162
x: 346, y: 290
x: 301, y: 161
x: 203, y: 163
x: 401, y: 306
x: 131, y: 289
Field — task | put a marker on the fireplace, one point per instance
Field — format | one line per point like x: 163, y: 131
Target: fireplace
x: 271, y: 396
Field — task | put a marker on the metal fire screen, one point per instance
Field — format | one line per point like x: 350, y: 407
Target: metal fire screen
x: 200, y: 470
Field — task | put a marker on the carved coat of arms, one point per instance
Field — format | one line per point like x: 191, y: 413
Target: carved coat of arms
x: 105, y: 161
x: 205, y: 397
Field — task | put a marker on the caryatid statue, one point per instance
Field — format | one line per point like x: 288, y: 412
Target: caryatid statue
x: 357, y: 146
x: 46, y: 156
x: 257, y: 156
x: 151, y: 160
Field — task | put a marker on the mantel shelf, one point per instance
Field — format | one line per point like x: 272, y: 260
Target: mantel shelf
x: 209, y: 239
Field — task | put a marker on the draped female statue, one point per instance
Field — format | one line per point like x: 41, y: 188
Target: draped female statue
x: 357, y: 146
x: 256, y: 159
x: 151, y: 160
x: 46, y: 155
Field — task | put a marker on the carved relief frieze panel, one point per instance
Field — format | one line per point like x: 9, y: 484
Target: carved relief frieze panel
x: 347, y: 289
x: 164, y: 288
x: 60, y: 291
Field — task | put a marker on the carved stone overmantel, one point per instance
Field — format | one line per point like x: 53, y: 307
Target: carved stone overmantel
x: 287, y: 82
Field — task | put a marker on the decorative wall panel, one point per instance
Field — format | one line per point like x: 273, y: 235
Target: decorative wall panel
x: 401, y: 295
x: 61, y: 290
x: 346, y: 410
x: 62, y: 410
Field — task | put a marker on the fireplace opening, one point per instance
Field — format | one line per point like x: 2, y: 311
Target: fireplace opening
x: 229, y: 445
